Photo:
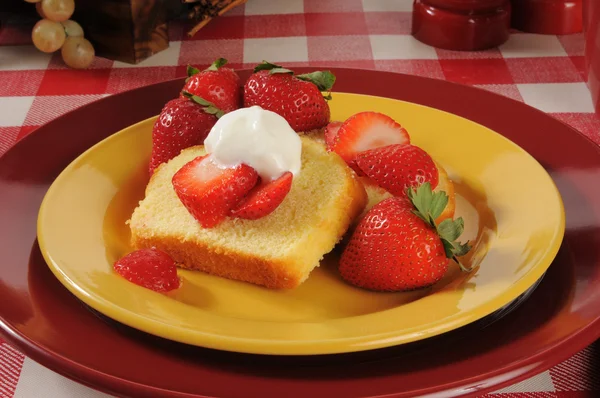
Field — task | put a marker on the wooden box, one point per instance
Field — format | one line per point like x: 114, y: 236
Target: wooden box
x: 126, y: 30
x: 129, y: 30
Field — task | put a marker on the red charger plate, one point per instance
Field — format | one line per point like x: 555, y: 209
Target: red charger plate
x: 561, y: 317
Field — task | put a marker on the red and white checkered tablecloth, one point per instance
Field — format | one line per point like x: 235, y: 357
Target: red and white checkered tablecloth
x: 546, y: 72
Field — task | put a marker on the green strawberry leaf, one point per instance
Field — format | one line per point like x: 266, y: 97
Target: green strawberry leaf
x: 450, y: 229
x: 191, y: 71
x: 421, y: 216
x: 421, y: 198
x: 219, y: 62
x: 213, y: 110
x: 266, y: 65
x: 327, y: 97
x: 428, y: 206
x: 274, y: 68
x: 438, y: 204
x: 461, y: 249
x: 197, y: 99
x: 324, y: 80
x: 208, y: 106
x: 280, y: 70
x: 448, y: 248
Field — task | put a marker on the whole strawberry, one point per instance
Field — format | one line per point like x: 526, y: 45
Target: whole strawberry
x: 216, y: 84
x: 398, y: 247
x: 297, y: 98
x: 183, y: 122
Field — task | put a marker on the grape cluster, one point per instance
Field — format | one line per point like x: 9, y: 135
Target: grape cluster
x: 57, y: 32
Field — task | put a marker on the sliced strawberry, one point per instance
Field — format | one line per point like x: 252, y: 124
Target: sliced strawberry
x: 367, y: 130
x: 209, y: 192
x: 357, y: 170
x: 150, y: 268
x: 397, y: 167
x: 331, y: 132
x: 264, y: 198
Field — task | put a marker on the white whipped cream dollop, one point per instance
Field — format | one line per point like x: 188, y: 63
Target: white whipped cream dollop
x: 258, y: 138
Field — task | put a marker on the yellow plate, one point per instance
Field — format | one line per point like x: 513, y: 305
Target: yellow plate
x: 512, y: 209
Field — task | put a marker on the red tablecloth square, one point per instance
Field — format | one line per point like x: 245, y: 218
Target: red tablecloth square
x: 543, y: 70
x: 262, y: 26
x: 16, y: 82
x: 69, y: 82
x: 476, y: 71
x: 336, y: 23
x: 388, y: 23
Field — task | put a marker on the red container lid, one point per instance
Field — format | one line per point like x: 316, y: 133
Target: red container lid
x: 468, y: 6
x: 551, y: 17
x: 437, y: 24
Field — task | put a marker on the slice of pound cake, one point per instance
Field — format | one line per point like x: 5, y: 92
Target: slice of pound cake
x: 278, y: 250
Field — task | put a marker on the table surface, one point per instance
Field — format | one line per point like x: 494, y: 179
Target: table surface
x: 546, y: 72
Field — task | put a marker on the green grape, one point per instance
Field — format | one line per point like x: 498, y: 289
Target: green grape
x: 72, y: 28
x: 77, y: 52
x: 58, y: 10
x: 48, y: 36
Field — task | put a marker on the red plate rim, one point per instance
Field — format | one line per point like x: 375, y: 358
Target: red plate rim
x: 472, y: 103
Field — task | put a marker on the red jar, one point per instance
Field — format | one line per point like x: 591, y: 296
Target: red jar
x: 461, y: 24
x: 551, y: 17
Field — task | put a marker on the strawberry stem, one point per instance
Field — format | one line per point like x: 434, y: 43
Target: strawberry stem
x: 191, y: 71
x: 429, y: 206
x: 207, y: 106
x: 219, y: 62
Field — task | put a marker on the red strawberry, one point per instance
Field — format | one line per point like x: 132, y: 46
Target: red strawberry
x: 397, y: 246
x: 367, y: 130
x: 215, y: 84
x: 210, y: 192
x: 331, y: 132
x: 264, y: 198
x: 182, y: 123
x: 297, y: 98
x: 397, y: 167
x: 150, y: 268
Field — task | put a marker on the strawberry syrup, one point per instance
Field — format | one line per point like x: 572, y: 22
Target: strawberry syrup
x: 149, y: 268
